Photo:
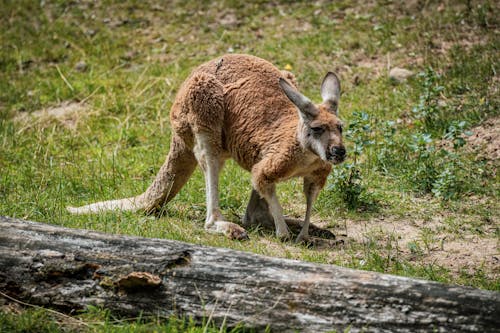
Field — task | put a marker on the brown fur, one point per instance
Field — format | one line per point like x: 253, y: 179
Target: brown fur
x: 233, y: 107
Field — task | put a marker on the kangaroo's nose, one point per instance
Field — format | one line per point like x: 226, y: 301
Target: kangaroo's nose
x: 337, y: 154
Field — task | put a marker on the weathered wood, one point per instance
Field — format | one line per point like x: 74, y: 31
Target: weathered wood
x: 68, y: 269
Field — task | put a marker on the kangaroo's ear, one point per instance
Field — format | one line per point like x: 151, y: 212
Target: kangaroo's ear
x: 305, y: 106
x: 330, y: 91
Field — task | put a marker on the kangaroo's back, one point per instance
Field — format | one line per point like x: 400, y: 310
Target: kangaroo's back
x: 230, y: 68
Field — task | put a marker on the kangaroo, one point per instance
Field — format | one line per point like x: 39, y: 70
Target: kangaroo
x: 243, y: 107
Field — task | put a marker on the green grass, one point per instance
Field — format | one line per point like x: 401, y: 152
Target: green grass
x: 99, y: 320
x: 137, y: 54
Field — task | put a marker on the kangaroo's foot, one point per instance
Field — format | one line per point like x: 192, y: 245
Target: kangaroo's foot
x: 283, y: 234
x: 231, y: 230
x: 217, y: 225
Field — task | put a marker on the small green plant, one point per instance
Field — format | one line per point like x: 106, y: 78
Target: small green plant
x: 386, y: 147
x: 347, y: 179
x: 428, y: 110
x: 455, y: 134
x: 422, y: 170
x: 415, y: 248
x: 432, y: 166
x: 449, y: 181
x: 347, y: 182
x: 428, y: 238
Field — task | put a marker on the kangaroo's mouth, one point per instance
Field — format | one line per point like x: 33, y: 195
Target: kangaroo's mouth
x: 336, y: 159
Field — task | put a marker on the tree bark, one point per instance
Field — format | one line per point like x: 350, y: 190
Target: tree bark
x: 68, y: 269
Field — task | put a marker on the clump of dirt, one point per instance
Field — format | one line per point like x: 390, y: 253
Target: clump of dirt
x: 485, y: 139
x: 68, y: 114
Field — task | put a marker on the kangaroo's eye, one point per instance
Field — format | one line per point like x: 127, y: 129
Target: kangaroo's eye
x: 317, y: 130
x: 340, y: 128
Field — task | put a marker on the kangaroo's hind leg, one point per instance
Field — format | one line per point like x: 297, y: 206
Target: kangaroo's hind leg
x: 205, y: 104
x: 211, y: 164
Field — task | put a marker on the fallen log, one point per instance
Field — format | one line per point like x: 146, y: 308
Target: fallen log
x: 68, y: 269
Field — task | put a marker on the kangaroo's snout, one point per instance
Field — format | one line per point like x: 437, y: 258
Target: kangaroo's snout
x: 336, y: 154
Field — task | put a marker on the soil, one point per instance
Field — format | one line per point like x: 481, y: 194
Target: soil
x: 68, y: 114
x: 459, y: 253
x: 429, y: 243
x: 485, y: 139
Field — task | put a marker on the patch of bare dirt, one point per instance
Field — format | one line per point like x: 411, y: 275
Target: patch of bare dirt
x: 68, y: 114
x: 375, y: 65
x: 429, y: 243
x: 485, y: 139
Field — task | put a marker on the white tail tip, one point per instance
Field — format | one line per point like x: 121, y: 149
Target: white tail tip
x: 127, y: 204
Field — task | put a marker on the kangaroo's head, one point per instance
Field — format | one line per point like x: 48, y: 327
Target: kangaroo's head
x: 319, y: 128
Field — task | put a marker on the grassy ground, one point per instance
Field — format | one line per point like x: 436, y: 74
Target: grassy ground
x: 85, y: 92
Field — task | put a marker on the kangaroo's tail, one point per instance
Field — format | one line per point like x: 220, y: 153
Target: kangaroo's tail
x: 174, y: 173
